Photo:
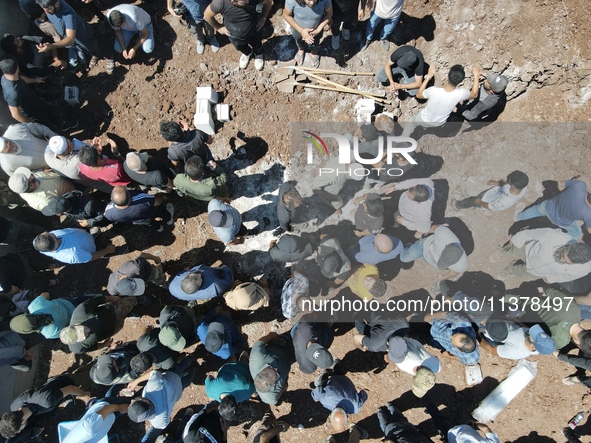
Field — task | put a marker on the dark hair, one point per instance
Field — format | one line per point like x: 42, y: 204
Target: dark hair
x: 116, y: 18
x: 456, y: 75
x: 8, y: 64
x: 11, y: 423
x: 8, y: 44
x: 369, y: 132
x: 375, y: 207
x: 518, y: 179
x: 578, y: 252
x: 420, y: 193
x: 265, y: 380
x: 468, y: 344
x: 88, y: 155
x: 190, y: 283
x: 585, y: 342
x: 227, y: 408
x: 44, y: 242
x: 194, y: 168
x: 46, y: 3
x: 141, y: 363
x: 139, y: 408
x: 172, y: 131
x: 378, y: 289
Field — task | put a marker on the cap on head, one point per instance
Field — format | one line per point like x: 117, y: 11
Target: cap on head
x: 423, y: 380
x: 450, y: 255
x: 407, y: 60
x: 496, y: 329
x: 542, y: 341
x: 104, y: 370
x: 130, y: 286
x: 215, y: 337
x: 330, y: 263
x: 172, y: 338
x: 497, y: 82
x: 73, y: 334
x: 319, y: 355
x: 135, y: 162
x: 58, y: 144
x: 397, y: 349
x: 220, y: 219
x: 19, y: 182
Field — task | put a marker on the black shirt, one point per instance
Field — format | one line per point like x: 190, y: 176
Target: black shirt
x: 19, y: 94
x: 157, y: 174
x: 419, y: 66
x: 240, y: 22
x: 302, y: 334
x: 12, y: 270
x: 194, y: 144
x: 100, y: 317
x: 44, y: 400
x: 149, y: 343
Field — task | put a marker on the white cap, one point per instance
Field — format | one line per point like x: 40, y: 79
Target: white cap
x: 58, y: 144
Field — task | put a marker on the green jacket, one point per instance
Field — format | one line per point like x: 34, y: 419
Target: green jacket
x: 206, y: 189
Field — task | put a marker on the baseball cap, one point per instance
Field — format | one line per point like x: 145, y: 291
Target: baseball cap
x: 497, y: 82
x: 356, y: 171
x: 407, y: 60
x: 496, y: 329
x: 104, y: 370
x: 140, y: 410
x: 135, y: 162
x: 19, y: 182
x: 220, y: 219
x: 172, y: 338
x: 72, y: 334
x: 130, y: 286
x: 23, y: 324
x: 319, y: 355
x: 330, y: 263
x: 215, y: 337
x: 450, y: 255
x: 423, y: 380
x: 56, y: 205
x: 397, y: 349
x: 542, y: 341
x: 58, y: 144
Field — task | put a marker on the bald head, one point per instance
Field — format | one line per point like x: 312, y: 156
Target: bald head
x: 383, y: 243
x: 339, y: 420
x: 120, y: 196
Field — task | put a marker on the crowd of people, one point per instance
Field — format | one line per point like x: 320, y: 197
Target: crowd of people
x: 92, y: 185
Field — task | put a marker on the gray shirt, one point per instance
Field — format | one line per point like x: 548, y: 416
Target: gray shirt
x: 32, y: 140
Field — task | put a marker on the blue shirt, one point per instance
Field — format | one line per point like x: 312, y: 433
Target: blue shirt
x: 141, y: 209
x: 443, y: 329
x: 163, y: 389
x: 60, y: 310
x: 226, y: 234
x: 216, y: 281
x: 570, y: 205
x: 233, y: 340
x: 77, y: 246
x: 232, y: 378
x: 66, y: 18
x: 369, y: 255
x: 91, y: 428
x: 340, y: 392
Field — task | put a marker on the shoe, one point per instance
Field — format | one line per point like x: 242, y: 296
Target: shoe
x: 259, y: 62
x: 170, y: 209
x: 133, y: 316
x: 68, y: 123
x: 507, y: 272
x: 22, y: 365
x: 110, y: 66
x: 364, y: 45
x: 497, y: 255
x: 299, y: 58
x: 160, y: 228
x: 192, y: 304
x: 119, y: 250
x: 518, y: 208
x: 215, y: 45
x: 252, y: 232
x: 315, y: 59
x: 363, y: 434
x: 571, y: 380
x: 454, y: 204
x: 93, y: 61
x: 346, y: 34
x: 385, y: 44
x: 95, y: 230
x: 179, y: 193
x: 244, y: 59
x: 277, y: 232
x: 336, y: 42
x: 200, y: 47
x: 435, y: 289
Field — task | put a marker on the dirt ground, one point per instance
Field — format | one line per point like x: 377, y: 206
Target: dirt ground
x: 539, y: 44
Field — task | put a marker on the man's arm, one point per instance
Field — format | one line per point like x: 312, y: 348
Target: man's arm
x: 100, y: 254
x: 209, y: 17
x: 435, y: 315
x: 110, y: 409
x: 68, y: 40
x: 40, y: 131
x: 267, y: 4
x: 143, y: 37
x: 423, y: 86
x: 476, y: 83
x: 119, y: 37
x: 17, y: 114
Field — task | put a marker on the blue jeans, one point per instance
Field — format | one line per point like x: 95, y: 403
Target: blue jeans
x: 382, y: 78
x: 374, y: 21
x: 147, y: 46
x: 413, y: 252
x: 574, y: 230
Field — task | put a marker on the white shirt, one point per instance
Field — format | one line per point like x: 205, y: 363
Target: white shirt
x: 136, y: 19
x: 417, y: 215
x: 418, y: 356
x: 388, y: 8
x: 499, y: 197
x: 467, y: 434
x: 513, y: 348
x: 436, y: 243
x: 441, y: 103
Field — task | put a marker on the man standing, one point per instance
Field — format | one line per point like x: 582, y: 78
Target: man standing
x: 197, y: 24
x: 226, y: 222
x: 289, y: 201
x: 202, y: 182
x: 132, y: 276
x: 24, y: 144
x: 455, y: 334
x: 73, y: 246
x: 242, y: 24
x: 137, y: 207
x: 185, y: 143
x: 220, y: 334
x: 38, y: 188
x: 148, y: 172
x: 201, y: 283
x: 129, y: 21
x: 386, y: 10
x: 442, y: 101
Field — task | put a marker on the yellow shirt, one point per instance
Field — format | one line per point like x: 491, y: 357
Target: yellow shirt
x: 355, y: 282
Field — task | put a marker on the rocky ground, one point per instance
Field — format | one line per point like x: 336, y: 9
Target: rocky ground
x: 539, y: 45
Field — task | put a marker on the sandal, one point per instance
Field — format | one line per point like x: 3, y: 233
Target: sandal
x: 110, y: 66
x: 299, y: 58
x: 571, y: 380
x: 315, y: 59
x: 93, y: 61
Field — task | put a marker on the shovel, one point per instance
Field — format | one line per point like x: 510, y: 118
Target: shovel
x: 333, y: 71
x: 304, y: 77
x: 289, y: 85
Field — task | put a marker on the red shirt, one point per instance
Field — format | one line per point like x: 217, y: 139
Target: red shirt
x: 112, y: 173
